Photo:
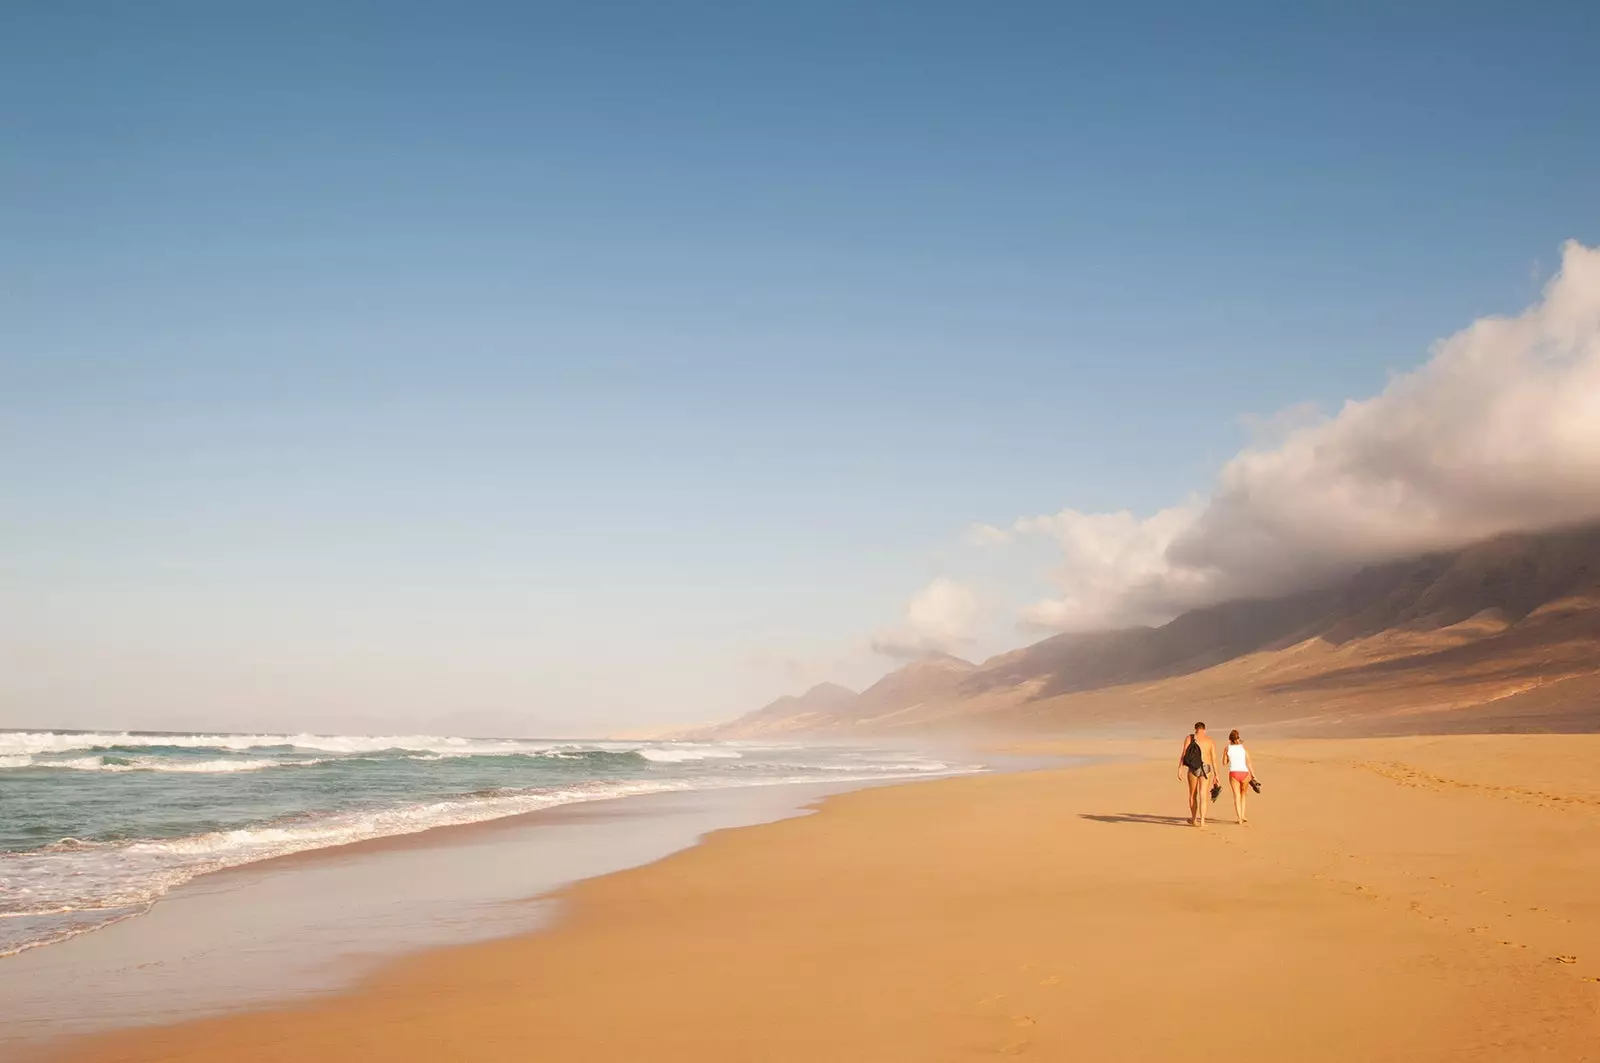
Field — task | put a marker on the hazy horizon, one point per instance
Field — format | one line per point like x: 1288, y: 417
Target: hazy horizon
x: 396, y: 370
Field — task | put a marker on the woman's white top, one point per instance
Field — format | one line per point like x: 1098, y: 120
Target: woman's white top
x: 1237, y: 757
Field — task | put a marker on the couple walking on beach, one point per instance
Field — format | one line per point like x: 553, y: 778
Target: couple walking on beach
x: 1198, y: 762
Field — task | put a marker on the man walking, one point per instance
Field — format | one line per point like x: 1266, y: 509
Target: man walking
x: 1198, y: 762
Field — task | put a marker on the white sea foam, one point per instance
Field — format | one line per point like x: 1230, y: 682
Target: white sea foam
x: 192, y: 767
x: 685, y: 753
x: 917, y: 767
x: 36, y: 742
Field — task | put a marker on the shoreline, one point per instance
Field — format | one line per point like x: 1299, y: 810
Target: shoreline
x: 259, y: 934
x: 59, y: 892
x: 1420, y: 898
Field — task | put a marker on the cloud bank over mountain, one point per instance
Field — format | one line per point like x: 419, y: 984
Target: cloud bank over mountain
x: 1498, y: 431
x: 939, y: 619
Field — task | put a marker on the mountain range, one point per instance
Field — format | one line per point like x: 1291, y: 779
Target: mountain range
x: 1500, y: 635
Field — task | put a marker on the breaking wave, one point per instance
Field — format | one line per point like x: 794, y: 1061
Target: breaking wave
x: 98, y: 825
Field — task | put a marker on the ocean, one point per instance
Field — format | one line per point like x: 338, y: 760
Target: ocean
x: 96, y: 827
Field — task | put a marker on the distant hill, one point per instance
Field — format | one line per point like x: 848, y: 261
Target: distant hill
x: 1504, y: 633
x: 823, y: 707
x: 833, y: 708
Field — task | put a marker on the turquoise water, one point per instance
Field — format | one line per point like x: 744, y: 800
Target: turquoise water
x: 95, y: 827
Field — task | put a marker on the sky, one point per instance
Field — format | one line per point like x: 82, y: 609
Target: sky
x: 581, y: 368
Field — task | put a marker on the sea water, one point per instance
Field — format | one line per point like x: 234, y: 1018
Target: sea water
x: 95, y: 827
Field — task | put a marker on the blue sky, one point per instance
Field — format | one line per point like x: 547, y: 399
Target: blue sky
x: 559, y: 367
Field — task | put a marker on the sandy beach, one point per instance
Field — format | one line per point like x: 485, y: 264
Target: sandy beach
x: 1409, y: 898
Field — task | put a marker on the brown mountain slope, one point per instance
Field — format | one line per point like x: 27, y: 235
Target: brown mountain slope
x: 911, y: 690
x: 1479, y: 633
x: 822, y: 707
x: 830, y: 708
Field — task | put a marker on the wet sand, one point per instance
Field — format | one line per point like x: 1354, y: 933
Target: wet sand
x: 296, y: 927
x: 1413, y: 898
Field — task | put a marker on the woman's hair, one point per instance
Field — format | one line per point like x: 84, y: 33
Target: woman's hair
x: 1233, y: 737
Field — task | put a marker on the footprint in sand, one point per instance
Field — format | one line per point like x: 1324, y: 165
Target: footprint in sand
x: 1565, y: 959
x: 1054, y: 979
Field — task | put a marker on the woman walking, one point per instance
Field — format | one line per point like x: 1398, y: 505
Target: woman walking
x: 1239, y: 774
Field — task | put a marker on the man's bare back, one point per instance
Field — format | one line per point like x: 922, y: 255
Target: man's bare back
x: 1199, y: 778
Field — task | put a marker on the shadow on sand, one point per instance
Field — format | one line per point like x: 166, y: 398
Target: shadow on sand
x: 1139, y: 817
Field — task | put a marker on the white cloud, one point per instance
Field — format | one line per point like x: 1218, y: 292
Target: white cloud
x: 1105, y: 558
x: 939, y: 619
x: 987, y: 535
x: 1498, y: 431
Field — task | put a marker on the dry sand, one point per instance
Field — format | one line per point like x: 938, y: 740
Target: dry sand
x: 1393, y: 899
